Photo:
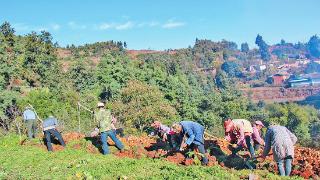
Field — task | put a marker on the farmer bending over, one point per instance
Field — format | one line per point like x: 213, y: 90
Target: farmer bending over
x: 256, y: 135
x: 194, y: 133
x: 239, y: 131
x: 281, y: 140
x: 165, y: 133
x: 106, y: 128
x: 50, y: 130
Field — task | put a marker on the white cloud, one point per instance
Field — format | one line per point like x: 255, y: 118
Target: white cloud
x: 153, y: 23
x: 41, y: 29
x: 141, y: 24
x: 105, y: 26
x: 116, y: 26
x: 172, y: 24
x: 169, y: 24
x: 125, y: 26
x: 74, y: 25
x: 148, y: 24
x: 55, y: 27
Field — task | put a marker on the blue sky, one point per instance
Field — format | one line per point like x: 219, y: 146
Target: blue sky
x: 150, y: 24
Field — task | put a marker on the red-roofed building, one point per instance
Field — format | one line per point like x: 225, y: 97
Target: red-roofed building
x: 277, y: 79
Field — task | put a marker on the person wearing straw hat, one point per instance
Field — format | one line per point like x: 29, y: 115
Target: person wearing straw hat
x: 106, y: 128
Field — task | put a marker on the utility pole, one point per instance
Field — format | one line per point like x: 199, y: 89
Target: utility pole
x: 79, y: 118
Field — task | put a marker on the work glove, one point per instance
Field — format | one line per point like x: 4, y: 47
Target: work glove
x: 183, y: 146
x: 95, y: 132
x: 234, y: 146
x: 165, y: 137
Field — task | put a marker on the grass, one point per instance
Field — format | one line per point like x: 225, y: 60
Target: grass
x: 30, y: 162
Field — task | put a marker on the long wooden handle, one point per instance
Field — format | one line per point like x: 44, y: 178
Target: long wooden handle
x: 214, y: 138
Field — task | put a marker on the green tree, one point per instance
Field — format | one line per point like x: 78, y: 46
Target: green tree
x: 245, y: 48
x: 222, y: 80
x: 278, y: 114
x: 314, y: 46
x: 40, y: 61
x: 263, y: 48
x: 113, y: 73
x: 82, y: 76
x: 8, y: 110
x: 141, y: 104
x: 299, y: 122
x: 232, y: 69
x: 8, y: 65
x: 8, y: 32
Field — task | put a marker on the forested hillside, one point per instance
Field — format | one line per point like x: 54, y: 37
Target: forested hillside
x: 196, y: 83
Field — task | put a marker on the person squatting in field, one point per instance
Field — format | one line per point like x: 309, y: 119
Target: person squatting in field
x: 281, y: 141
x: 166, y: 134
x: 106, y: 128
x: 194, y: 133
x: 239, y: 131
x: 49, y: 126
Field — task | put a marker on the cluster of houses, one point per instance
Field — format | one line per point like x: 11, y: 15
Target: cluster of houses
x: 304, y: 80
x: 284, y: 76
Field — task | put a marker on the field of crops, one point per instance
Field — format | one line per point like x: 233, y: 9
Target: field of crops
x: 81, y: 160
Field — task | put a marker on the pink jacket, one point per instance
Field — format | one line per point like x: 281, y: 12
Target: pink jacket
x: 256, y: 136
x: 241, y: 127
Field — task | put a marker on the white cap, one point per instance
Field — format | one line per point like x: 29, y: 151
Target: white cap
x: 100, y: 104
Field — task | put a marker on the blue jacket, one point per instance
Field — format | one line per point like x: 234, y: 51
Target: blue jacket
x: 29, y: 115
x: 194, y: 132
x: 50, y: 121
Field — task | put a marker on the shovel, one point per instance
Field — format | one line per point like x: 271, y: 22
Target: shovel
x: 250, y: 164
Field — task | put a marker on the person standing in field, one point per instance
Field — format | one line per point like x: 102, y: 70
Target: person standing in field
x: 30, y: 118
x: 281, y: 141
x: 239, y: 131
x: 49, y: 126
x: 194, y: 137
x: 106, y: 128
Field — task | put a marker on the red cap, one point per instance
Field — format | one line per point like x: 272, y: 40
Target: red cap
x: 227, y: 125
x: 259, y: 123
